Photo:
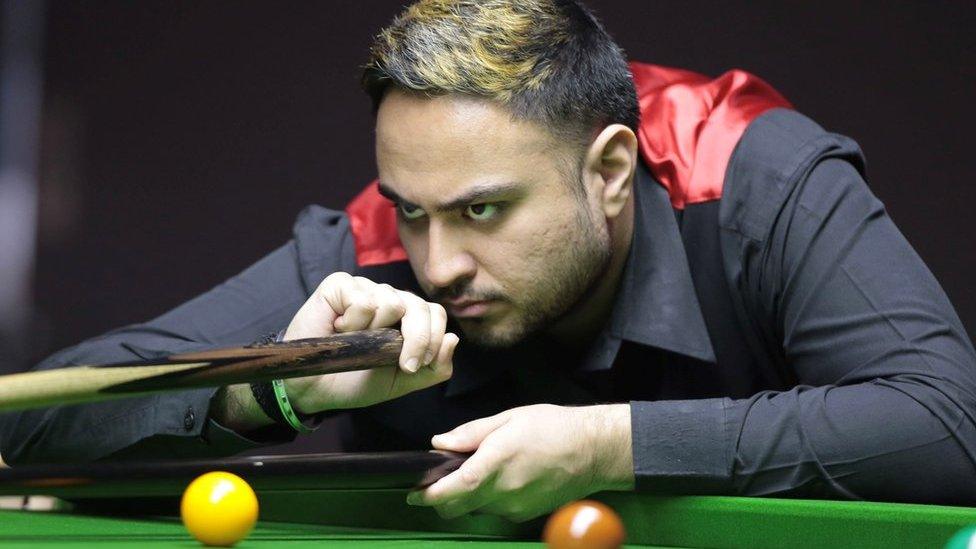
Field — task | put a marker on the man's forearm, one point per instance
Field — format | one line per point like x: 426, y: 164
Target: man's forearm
x: 611, y: 436
x: 235, y: 408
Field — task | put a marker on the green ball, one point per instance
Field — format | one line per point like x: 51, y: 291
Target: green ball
x: 963, y: 539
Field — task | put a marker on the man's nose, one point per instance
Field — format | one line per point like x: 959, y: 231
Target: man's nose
x: 448, y: 262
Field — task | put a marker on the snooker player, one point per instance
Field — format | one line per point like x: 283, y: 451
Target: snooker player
x: 658, y: 281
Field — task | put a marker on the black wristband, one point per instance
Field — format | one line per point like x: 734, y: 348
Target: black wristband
x: 263, y: 391
x: 265, y: 396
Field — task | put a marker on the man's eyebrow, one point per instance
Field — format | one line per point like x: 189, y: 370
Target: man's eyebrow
x: 472, y: 196
x: 391, y: 195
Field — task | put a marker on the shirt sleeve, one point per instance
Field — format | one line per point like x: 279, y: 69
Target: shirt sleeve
x: 884, y: 405
x: 261, y: 299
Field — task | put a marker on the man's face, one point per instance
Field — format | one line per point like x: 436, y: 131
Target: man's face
x: 493, y: 229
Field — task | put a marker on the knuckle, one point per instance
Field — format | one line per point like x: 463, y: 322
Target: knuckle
x: 512, y: 510
x: 471, y: 476
x: 443, y: 511
x: 517, y: 510
x: 329, y: 288
x: 410, y: 298
x: 437, y: 311
x: 358, y: 304
x: 336, y: 277
x: 363, y: 282
x: 367, y: 303
x: 397, y: 307
x: 511, y: 486
x: 326, y: 295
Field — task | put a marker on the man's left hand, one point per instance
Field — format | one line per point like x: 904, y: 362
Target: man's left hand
x: 528, y: 461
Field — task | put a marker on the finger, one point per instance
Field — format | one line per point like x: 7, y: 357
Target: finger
x: 389, y: 306
x: 438, y: 325
x: 451, y: 509
x: 462, y: 506
x: 445, y: 356
x: 443, y: 364
x: 439, y: 371
x: 477, y: 472
x: 360, y: 307
x: 469, y: 436
x: 415, y: 327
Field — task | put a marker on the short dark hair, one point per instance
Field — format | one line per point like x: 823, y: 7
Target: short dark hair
x: 549, y: 61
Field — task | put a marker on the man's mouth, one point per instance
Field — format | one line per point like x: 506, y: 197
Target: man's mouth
x: 468, y: 308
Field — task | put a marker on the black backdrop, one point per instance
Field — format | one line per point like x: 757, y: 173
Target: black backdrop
x: 180, y: 139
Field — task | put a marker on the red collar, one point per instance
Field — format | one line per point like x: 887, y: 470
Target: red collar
x: 690, y: 125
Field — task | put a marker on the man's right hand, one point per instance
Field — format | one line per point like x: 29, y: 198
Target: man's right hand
x: 344, y: 303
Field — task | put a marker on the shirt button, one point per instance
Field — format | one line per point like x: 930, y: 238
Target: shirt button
x: 189, y: 420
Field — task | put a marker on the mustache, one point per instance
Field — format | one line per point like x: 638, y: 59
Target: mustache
x: 463, y: 292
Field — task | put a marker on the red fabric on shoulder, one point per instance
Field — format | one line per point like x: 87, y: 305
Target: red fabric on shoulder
x: 690, y: 125
x: 372, y: 222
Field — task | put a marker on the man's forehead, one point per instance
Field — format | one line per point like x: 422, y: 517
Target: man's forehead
x: 408, y: 123
x: 435, y: 151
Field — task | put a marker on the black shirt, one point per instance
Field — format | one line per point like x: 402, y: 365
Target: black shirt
x: 784, y: 339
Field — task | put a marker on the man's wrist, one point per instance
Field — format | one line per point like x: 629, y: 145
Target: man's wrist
x: 610, y: 440
x: 304, y: 402
x: 234, y: 408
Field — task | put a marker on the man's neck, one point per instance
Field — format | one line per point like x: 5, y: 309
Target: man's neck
x: 585, y: 320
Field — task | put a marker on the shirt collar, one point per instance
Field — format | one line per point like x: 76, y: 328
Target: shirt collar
x: 656, y: 304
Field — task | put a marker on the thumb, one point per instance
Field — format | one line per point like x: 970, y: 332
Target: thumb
x: 468, y: 436
x: 313, y: 319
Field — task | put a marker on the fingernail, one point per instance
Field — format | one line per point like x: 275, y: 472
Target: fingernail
x: 412, y: 499
x: 428, y: 356
x: 411, y: 364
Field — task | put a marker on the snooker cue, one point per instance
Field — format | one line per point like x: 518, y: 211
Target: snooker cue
x: 253, y: 363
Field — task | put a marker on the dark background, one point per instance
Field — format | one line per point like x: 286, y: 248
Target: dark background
x: 180, y: 139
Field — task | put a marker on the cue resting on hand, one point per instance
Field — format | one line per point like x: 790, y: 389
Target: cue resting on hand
x: 252, y: 363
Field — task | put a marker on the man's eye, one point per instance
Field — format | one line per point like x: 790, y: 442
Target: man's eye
x: 481, y: 212
x: 410, y: 212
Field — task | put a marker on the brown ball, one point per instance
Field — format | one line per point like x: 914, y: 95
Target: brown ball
x: 584, y: 524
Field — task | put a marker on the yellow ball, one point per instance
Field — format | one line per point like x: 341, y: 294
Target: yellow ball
x: 219, y: 508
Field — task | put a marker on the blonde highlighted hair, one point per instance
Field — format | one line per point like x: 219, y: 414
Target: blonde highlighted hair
x: 549, y: 61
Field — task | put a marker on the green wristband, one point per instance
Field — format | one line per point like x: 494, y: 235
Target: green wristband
x: 286, y: 410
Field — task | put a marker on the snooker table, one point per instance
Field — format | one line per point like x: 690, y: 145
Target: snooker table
x: 347, y: 500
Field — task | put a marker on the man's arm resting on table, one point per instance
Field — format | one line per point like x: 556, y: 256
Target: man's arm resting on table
x: 886, y: 373
x: 611, y: 437
x: 529, y: 460
x: 168, y: 425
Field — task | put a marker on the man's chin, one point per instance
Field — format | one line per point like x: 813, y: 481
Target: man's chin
x: 491, y: 335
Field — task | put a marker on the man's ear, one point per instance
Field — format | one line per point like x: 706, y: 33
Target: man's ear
x: 610, y: 163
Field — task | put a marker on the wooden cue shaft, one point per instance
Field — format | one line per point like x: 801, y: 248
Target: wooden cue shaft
x: 339, y: 353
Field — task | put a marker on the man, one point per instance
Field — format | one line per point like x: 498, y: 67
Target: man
x: 687, y: 289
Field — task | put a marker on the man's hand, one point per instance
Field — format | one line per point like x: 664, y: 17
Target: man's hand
x: 343, y: 303
x: 528, y: 461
